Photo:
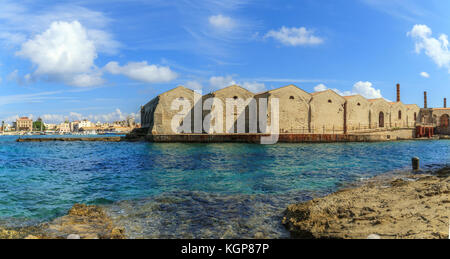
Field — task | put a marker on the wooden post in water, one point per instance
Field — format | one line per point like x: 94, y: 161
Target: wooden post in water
x: 415, y: 163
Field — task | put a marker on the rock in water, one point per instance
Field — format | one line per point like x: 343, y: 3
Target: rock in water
x: 84, y: 222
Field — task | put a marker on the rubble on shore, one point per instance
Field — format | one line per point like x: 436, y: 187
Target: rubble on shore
x: 416, y: 207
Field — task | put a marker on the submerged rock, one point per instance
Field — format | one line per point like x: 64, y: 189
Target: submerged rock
x: 398, y: 209
x: 86, y: 222
x: 82, y: 222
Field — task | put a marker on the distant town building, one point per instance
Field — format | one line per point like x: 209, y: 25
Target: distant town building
x: 64, y: 128
x: 88, y: 130
x: 76, y: 126
x: 24, y: 124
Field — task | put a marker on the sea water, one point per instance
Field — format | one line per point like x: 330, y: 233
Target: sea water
x: 190, y: 190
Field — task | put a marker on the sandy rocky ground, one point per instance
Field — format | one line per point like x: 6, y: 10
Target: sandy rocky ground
x: 413, y: 207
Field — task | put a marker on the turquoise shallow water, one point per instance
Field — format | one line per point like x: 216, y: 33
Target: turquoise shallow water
x: 40, y: 181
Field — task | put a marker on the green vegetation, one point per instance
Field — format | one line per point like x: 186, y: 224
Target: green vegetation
x: 38, y: 126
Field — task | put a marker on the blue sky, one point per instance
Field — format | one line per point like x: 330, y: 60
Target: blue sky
x: 102, y: 59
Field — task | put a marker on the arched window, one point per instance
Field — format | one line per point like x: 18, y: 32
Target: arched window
x: 291, y: 98
x: 329, y: 101
x: 359, y: 104
x: 235, y: 98
x: 399, y: 115
x: 415, y: 116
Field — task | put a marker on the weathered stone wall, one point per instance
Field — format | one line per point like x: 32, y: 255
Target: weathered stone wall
x: 442, y: 116
x: 327, y: 113
x: 358, y: 109
x: 398, y: 115
x: 299, y: 112
x: 158, y: 113
x: 293, y: 108
x: 238, y: 97
x: 437, y: 117
x: 379, y: 114
x: 256, y: 138
x: 412, y: 113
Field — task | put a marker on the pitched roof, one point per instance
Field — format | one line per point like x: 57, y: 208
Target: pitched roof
x: 176, y: 88
x: 279, y: 88
x: 236, y: 86
x: 328, y: 90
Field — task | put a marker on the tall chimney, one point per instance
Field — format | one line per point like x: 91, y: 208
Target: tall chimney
x: 445, y: 102
x: 398, y: 92
x: 425, y: 105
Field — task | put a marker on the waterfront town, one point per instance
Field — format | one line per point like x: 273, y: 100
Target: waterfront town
x: 26, y: 126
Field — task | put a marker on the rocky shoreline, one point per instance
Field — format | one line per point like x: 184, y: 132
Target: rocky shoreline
x: 389, y: 206
x: 81, y: 222
x: 412, y: 207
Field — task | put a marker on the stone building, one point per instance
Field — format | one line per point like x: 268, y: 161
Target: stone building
x: 398, y: 115
x: 300, y: 112
x: 379, y: 115
x: 412, y: 113
x: 24, y: 124
x: 157, y: 115
x: 327, y: 113
x: 293, y: 108
x: 234, y: 100
x: 435, y: 117
x: 358, y: 113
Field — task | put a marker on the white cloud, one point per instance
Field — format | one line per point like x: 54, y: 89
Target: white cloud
x: 425, y: 74
x: 116, y: 115
x: 76, y: 116
x: 18, y: 20
x: 13, y: 118
x: 30, y: 98
x: 295, y: 36
x: 194, y: 85
x: 408, y: 10
x: 219, y: 82
x: 53, y: 118
x: 365, y: 89
x: 254, y: 87
x: 10, y: 119
x: 320, y: 88
x: 435, y: 48
x: 64, y: 52
x: 142, y: 71
x: 222, y: 22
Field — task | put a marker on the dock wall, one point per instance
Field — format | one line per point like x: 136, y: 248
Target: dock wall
x: 283, y: 138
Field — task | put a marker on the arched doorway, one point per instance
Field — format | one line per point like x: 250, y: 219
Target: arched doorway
x: 444, y: 121
x: 381, y: 120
